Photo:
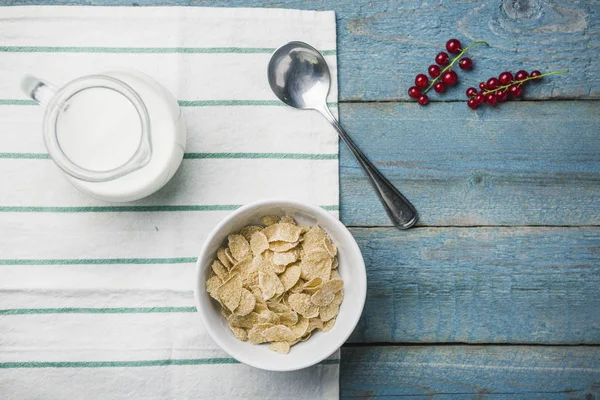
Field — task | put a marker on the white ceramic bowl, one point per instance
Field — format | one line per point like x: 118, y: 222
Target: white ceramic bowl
x: 321, y: 344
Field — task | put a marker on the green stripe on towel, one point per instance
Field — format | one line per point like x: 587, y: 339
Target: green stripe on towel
x: 94, y: 209
x: 224, y: 207
x: 121, y: 364
x: 236, y: 103
x: 145, y: 50
x: 113, y: 364
x: 99, y: 261
x: 183, y: 103
x: 201, y: 156
x: 15, y: 102
x: 25, y: 156
x: 253, y: 156
x: 114, y: 310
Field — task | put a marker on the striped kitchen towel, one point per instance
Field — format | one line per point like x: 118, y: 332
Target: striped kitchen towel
x: 96, y: 298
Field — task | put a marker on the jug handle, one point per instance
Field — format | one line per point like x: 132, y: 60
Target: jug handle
x: 40, y: 91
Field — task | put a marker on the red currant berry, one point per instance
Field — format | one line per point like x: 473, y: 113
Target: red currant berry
x: 450, y: 78
x: 414, y: 92
x: 442, y: 58
x: 482, y: 86
x: 479, y: 98
x: 472, y: 103
x: 520, y: 75
x: 465, y: 63
x: 423, y: 100
x: 505, y: 78
x: 501, y: 96
x: 493, y: 83
x: 536, y: 75
x: 421, y: 80
x: 490, y: 98
x: 453, y: 46
x: 434, y: 71
x: 514, y: 91
x: 471, y: 92
x: 439, y: 87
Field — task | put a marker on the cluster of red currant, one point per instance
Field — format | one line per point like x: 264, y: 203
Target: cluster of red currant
x: 447, y: 75
x: 498, y: 90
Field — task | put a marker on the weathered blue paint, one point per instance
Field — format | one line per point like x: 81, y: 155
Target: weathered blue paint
x: 526, y: 163
x: 482, y: 285
x: 471, y: 372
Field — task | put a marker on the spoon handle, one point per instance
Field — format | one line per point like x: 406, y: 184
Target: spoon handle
x: 400, y: 210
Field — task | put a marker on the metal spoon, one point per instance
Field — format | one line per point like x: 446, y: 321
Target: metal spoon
x: 299, y: 76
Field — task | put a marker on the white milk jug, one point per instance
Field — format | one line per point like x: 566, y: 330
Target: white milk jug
x: 119, y: 135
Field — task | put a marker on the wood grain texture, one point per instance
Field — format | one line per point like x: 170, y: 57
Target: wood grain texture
x: 520, y: 164
x: 384, y: 44
x: 484, y: 285
x: 470, y: 372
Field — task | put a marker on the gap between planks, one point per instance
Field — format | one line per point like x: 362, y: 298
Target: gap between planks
x: 449, y: 344
x: 472, y: 226
x: 468, y: 394
x: 399, y: 100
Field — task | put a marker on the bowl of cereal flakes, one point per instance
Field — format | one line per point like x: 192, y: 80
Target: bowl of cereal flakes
x: 280, y: 285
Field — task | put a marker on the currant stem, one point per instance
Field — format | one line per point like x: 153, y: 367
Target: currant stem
x: 522, y: 81
x: 454, y: 60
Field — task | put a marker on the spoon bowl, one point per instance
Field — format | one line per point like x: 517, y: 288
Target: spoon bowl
x: 299, y: 76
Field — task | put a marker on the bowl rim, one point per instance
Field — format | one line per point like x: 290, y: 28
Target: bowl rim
x: 316, y: 211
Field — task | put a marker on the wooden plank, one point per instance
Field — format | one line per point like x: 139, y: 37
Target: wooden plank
x: 484, y: 285
x: 478, y: 372
x: 383, y: 45
x: 527, y: 163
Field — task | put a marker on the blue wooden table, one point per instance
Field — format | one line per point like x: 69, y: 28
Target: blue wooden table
x: 496, y: 293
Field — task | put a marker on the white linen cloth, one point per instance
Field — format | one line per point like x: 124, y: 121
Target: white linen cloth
x: 96, y: 298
